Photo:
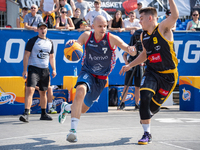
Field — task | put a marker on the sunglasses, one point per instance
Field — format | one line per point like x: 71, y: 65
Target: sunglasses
x: 63, y: 12
x: 33, y: 8
x: 195, y: 14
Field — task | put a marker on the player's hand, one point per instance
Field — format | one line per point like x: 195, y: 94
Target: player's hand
x: 124, y: 69
x: 126, y: 63
x: 54, y: 73
x: 24, y: 74
x: 132, y: 50
x: 71, y: 41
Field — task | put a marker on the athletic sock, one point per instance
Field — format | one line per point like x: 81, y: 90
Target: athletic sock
x: 74, y: 123
x: 26, y: 111
x: 68, y: 107
x: 50, y: 105
x: 146, y: 127
x: 43, y: 111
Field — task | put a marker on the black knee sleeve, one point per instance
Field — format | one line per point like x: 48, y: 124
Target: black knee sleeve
x: 145, y: 101
x: 154, y: 108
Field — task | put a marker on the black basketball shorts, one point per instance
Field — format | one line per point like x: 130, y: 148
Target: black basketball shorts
x: 38, y: 76
x: 161, y: 85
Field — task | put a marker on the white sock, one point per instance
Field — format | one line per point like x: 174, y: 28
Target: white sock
x: 68, y: 107
x: 74, y: 123
x: 50, y: 105
x: 146, y: 127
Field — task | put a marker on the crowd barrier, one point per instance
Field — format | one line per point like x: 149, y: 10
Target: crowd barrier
x: 13, y: 41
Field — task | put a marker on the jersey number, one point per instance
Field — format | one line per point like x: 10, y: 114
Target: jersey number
x: 155, y: 40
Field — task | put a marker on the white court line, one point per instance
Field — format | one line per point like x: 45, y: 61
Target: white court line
x: 62, y: 133
x: 175, y: 146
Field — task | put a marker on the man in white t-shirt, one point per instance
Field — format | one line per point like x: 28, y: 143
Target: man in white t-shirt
x: 139, y: 6
x: 98, y: 11
x: 83, y: 6
x: 132, y: 24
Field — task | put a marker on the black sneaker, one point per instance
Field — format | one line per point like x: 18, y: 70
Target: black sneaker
x: 24, y: 118
x: 45, y: 117
x: 122, y: 106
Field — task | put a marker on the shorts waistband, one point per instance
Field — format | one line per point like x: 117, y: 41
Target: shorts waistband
x: 100, y: 77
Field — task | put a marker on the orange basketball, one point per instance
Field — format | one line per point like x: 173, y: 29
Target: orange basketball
x: 73, y: 51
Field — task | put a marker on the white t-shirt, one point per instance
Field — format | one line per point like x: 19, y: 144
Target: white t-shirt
x: 48, y: 5
x: 137, y: 13
x: 92, y: 14
x: 135, y: 23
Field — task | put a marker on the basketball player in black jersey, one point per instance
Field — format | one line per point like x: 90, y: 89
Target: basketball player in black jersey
x: 161, y: 74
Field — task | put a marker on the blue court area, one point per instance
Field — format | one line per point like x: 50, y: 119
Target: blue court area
x: 171, y: 129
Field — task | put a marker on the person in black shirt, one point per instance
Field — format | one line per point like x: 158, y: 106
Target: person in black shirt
x: 117, y: 23
x: 137, y: 74
x: 161, y: 75
x: 78, y: 21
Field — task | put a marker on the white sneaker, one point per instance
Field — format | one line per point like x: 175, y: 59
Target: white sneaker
x: 72, y: 137
x: 62, y: 114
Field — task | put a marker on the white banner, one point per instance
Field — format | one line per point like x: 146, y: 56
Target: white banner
x: 161, y: 5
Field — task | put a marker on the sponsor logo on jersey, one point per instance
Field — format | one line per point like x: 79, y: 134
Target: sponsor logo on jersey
x: 97, y: 67
x: 91, y: 41
x: 104, y: 42
x: 186, y: 95
x: 163, y: 92
x: 85, y: 76
x: 7, y: 97
x: 92, y: 45
x: 155, y: 58
x: 157, y: 48
x: 95, y: 58
x: 42, y: 55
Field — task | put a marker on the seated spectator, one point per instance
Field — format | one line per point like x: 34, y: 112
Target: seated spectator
x: 48, y: 11
x: 194, y: 24
x: 83, y: 6
x: 31, y: 20
x: 132, y: 24
x: 63, y: 3
x: 76, y: 19
x: 20, y: 19
x: 64, y: 22
x: 98, y: 11
x: 117, y: 23
x: 167, y: 14
x: 139, y: 6
x: 83, y: 26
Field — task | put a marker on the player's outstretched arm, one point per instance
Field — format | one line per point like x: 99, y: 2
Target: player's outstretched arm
x: 169, y: 22
x: 140, y: 59
x: 82, y: 38
x: 115, y: 40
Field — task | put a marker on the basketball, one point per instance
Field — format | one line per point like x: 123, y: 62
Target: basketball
x: 73, y: 51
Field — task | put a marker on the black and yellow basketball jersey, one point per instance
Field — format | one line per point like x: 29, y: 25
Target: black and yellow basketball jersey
x: 160, y: 52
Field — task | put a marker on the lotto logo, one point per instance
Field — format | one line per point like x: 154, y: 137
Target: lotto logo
x: 163, y: 92
x: 154, y: 58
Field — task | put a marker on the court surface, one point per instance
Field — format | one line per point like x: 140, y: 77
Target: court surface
x: 116, y: 130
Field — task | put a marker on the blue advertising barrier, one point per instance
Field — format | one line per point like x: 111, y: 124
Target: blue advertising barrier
x: 12, y: 45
